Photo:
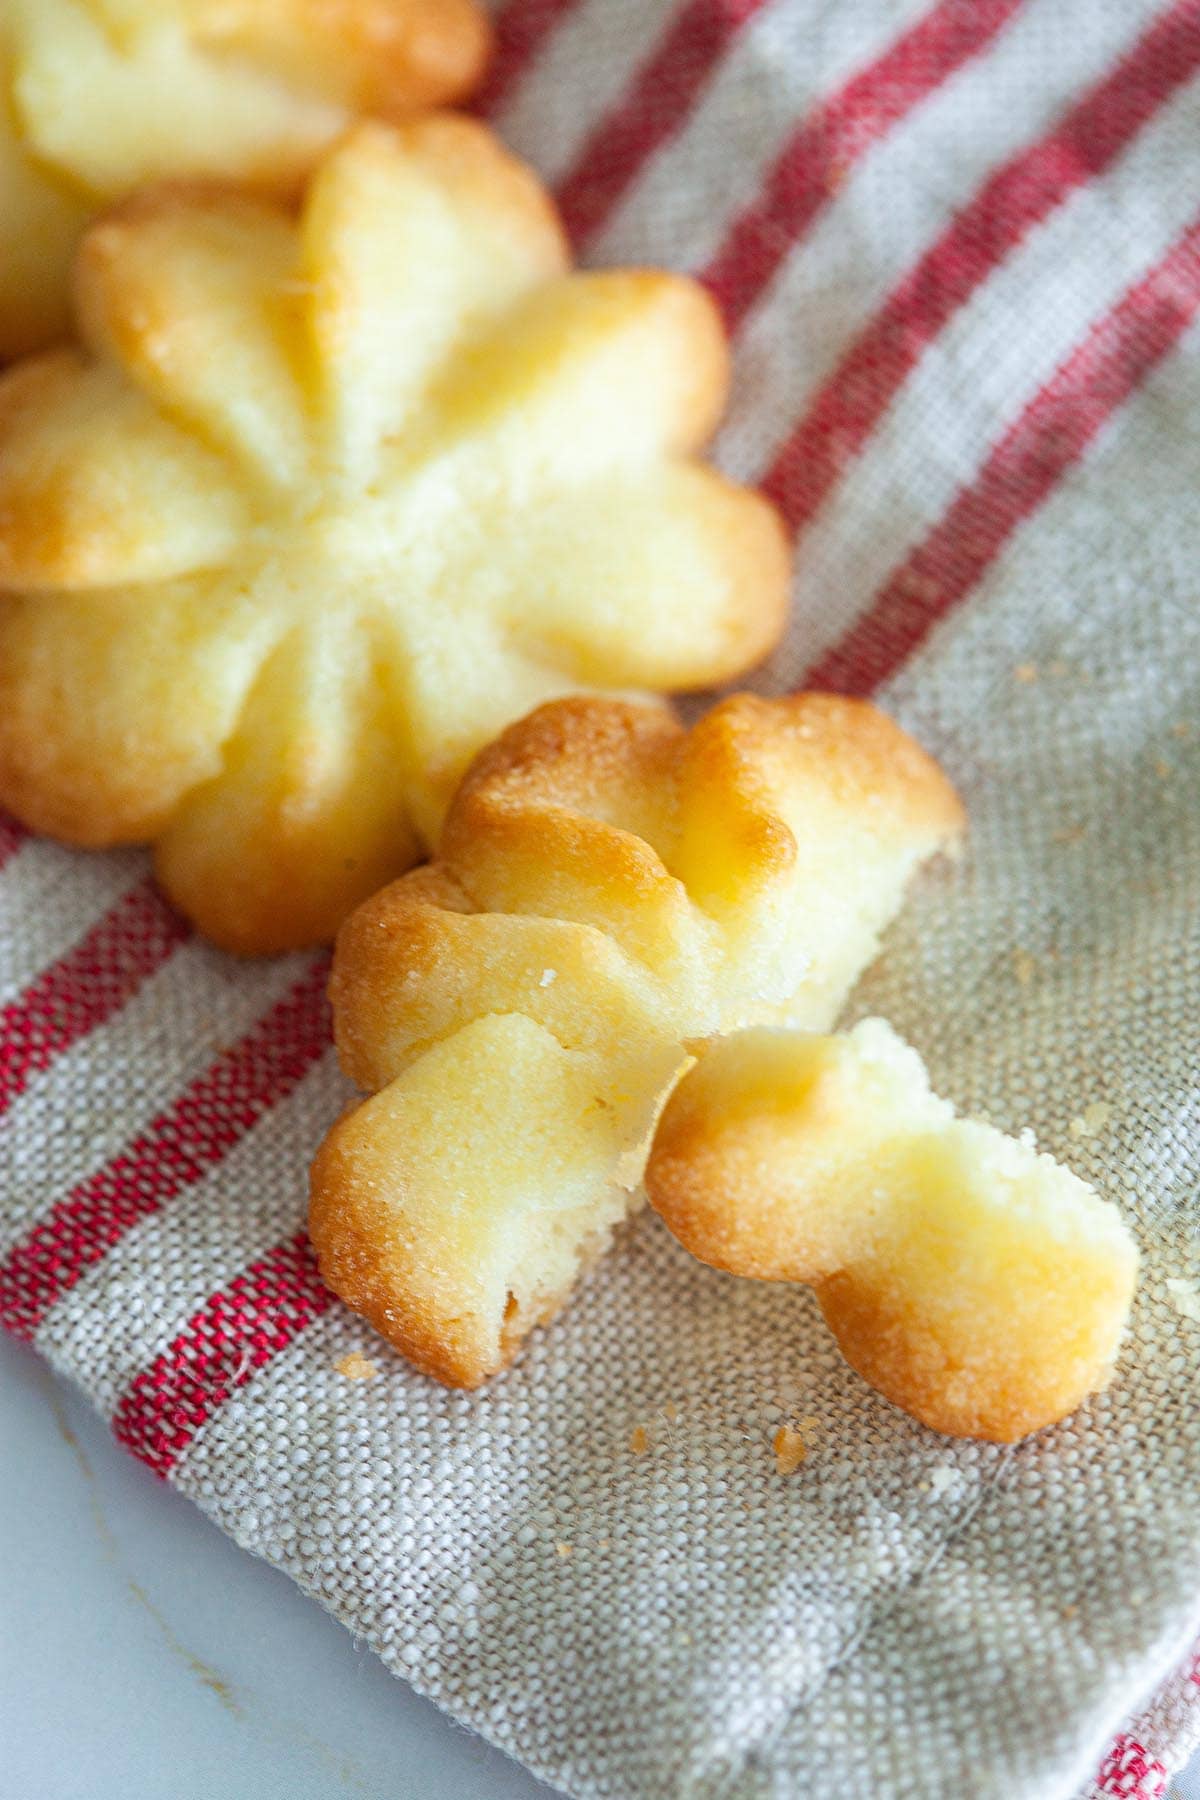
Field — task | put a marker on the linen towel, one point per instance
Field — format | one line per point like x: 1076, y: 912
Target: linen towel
x: 958, y: 247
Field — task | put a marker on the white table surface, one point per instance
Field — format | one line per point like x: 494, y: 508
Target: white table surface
x: 144, y: 1657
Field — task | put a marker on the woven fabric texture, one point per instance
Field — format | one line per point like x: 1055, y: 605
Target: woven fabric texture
x: 958, y: 246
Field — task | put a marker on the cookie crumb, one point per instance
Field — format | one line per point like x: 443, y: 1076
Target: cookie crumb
x: 356, y: 1367
x: 807, y: 1424
x: 1092, y: 1120
x: 921, y: 587
x: 943, y: 1478
x: 1069, y: 1612
x: 1182, y: 731
x: 1185, y: 1298
x: 790, y: 1450
x: 670, y: 1411
x: 1163, y: 769
x: 563, y: 1550
x: 639, y: 1443
x: 1025, y: 672
x: 1024, y: 967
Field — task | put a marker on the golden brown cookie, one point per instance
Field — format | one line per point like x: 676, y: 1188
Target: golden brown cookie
x: 609, y: 888
x: 99, y: 96
x: 977, y: 1284
x: 322, y: 503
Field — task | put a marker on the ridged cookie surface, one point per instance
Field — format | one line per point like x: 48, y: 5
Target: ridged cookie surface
x: 976, y: 1283
x: 609, y: 889
x: 99, y: 96
x: 322, y: 503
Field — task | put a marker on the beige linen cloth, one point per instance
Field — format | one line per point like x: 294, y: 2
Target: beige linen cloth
x: 959, y: 247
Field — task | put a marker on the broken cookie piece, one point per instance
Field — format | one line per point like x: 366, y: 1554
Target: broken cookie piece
x: 976, y: 1283
x: 672, y: 884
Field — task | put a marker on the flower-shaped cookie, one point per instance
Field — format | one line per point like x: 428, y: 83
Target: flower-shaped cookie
x: 609, y: 889
x: 979, y: 1285
x: 100, y: 96
x: 325, y: 503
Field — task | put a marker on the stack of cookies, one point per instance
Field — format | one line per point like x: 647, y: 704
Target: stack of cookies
x: 350, y: 542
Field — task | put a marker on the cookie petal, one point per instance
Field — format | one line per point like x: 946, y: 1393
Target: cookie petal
x: 455, y: 1208
x: 422, y: 935
x: 550, y: 821
x: 411, y: 240
x: 112, y: 103
x: 456, y: 681
x: 308, y: 813
x: 114, y: 704
x: 672, y: 579
x: 194, y: 291
x: 383, y: 56
x: 592, y: 373
x: 98, y: 488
